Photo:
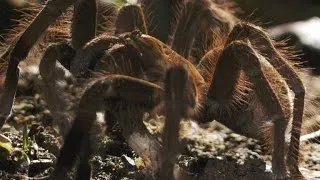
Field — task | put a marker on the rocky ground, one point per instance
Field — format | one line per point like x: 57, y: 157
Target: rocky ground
x: 210, y: 151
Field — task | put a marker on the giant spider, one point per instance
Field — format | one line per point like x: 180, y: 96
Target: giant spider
x: 242, y: 80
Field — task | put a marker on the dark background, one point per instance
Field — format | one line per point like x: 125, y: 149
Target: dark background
x: 275, y: 12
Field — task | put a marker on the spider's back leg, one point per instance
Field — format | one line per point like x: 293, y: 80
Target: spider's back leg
x: 235, y: 57
x: 130, y: 18
x: 161, y: 17
x: 263, y: 43
x: 197, y: 17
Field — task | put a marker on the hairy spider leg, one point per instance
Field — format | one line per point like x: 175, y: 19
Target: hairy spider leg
x: 58, y: 59
x: 161, y: 17
x: 198, y: 16
x: 130, y: 18
x: 52, y: 70
x: 237, y: 56
x: 180, y: 97
x: 48, y: 15
x: 264, y: 45
x: 127, y: 99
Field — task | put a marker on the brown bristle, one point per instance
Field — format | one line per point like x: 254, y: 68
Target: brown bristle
x: 56, y: 33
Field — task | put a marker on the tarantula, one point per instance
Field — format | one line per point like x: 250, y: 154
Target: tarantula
x: 241, y: 80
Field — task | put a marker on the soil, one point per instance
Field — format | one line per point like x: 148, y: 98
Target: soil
x: 210, y: 151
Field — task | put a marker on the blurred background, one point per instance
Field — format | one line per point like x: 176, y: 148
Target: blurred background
x: 275, y: 12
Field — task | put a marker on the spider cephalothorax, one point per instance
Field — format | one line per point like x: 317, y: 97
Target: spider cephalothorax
x: 240, y: 79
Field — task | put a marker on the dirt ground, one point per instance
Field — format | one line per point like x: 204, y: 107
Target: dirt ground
x: 210, y: 151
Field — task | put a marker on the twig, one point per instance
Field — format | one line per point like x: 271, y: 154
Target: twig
x: 310, y: 136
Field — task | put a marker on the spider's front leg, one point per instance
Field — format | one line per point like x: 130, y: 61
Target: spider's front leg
x: 180, y: 101
x: 48, y: 15
x: 130, y: 18
x: 57, y: 60
x: 86, y: 58
x: 126, y: 99
x: 237, y: 56
x: 53, y: 69
x: 7, y: 91
x: 55, y: 65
